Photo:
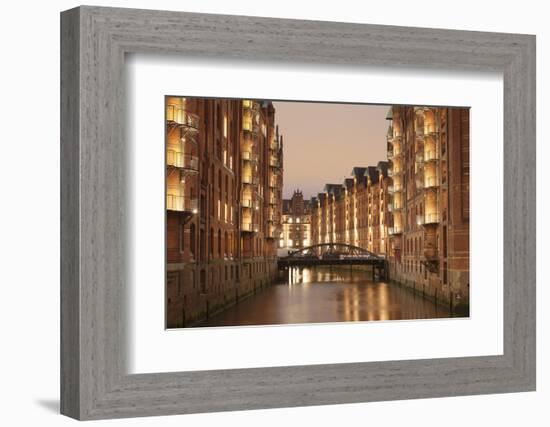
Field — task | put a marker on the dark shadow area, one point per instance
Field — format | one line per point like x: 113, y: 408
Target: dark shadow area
x: 51, y: 405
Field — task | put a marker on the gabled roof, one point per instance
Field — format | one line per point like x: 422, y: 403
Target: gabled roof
x: 383, y: 167
x: 333, y: 188
x: 358, y: 171
x: 373, y: 174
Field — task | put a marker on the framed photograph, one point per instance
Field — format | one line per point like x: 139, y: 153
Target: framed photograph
x: 262, y: 213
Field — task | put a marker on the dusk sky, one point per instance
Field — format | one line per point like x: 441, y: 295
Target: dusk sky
x: 323, y: 142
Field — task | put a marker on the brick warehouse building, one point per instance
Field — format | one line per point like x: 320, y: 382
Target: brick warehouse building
x: 223, y: 201
x: 414, y: 208
x: 429, y: 152
x: 355, y: 212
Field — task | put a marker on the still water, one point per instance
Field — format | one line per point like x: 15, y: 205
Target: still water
x: 313, y: 295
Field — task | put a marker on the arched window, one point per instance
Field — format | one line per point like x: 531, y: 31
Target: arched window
x: 219, y: 243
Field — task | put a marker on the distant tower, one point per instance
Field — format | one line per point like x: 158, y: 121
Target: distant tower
x: 297, y: 203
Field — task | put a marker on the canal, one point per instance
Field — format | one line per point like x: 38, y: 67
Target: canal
x: 322, y: 294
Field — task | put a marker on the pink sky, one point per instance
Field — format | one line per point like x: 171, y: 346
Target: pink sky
x: 323, y: 142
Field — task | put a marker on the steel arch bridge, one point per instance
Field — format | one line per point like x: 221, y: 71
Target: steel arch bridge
x: 334, y: 254
x: 333, y: 249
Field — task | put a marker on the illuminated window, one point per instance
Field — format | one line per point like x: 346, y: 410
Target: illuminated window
x: 225, y: 126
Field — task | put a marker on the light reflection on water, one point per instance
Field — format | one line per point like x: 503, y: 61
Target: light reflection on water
x: 321, y: 295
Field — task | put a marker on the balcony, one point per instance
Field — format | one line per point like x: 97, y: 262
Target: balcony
x: 273, y: 182
x: 395, y: 188
x: 249, y: 156
x: 249, y: 227
x: 395, y: 207
x: 396, y: 151
x: 430, y: 129
x: 252, y: 106
x: 431, y: 218
x: 272, y: 217
x: 431, y: 155
x: 394, y: 231
x: 431, y: 182
x: 182, y: 161
x: 249, y: 203
x: 179, y: 116
x: 396, y: 137
x: 274, y: 162
x: 250, y: 180
x: 250, y: 130
x: 427, y: 219
x: 272, y: 232
x: 181, y: 203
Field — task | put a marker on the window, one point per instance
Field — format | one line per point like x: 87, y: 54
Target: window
x: 225, y: 126
x: 226, y: 243
x: 211, y: 242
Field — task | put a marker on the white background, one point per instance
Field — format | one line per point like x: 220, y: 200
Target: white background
x: 152, y: 349
x: 29, y: 218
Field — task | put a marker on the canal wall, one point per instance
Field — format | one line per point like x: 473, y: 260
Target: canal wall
x: 432, y: 290
x: 454, y: 294
x: 195, y: 292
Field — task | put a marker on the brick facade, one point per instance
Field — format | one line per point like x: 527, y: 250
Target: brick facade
x: 223, y: 202
x: 429, y: 153
x: 355, y: 212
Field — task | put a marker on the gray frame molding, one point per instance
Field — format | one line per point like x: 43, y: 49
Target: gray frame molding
x: 94, y: 41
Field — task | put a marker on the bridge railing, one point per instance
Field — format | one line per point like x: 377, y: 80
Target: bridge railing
x: 333, y: 251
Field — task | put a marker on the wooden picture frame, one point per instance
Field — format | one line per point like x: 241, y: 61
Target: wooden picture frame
x: 94, y: 41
